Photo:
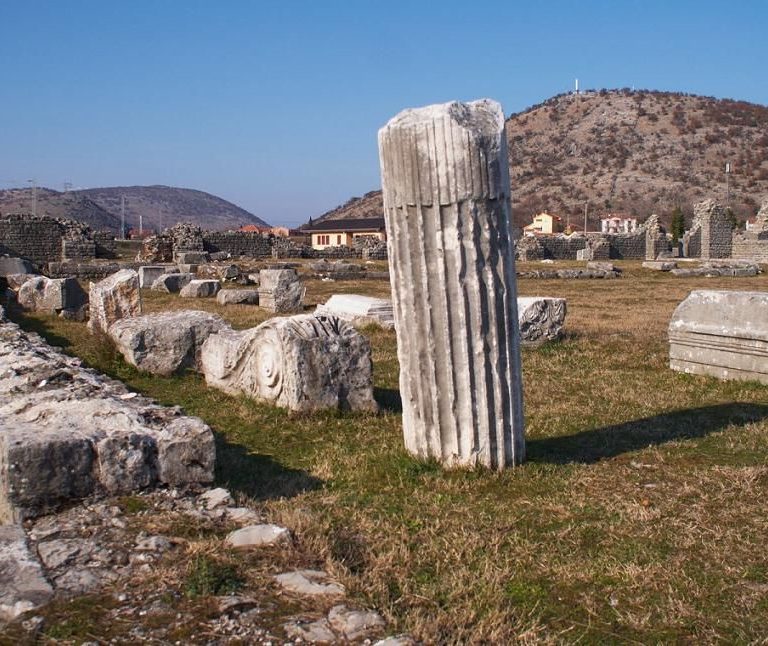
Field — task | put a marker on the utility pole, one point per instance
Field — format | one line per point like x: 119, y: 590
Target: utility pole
x: 34, y: 196
x: 122, y: 217
x: 141, y: 225
x: 728, y: 183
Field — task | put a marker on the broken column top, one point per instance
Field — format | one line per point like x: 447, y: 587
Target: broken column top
x: 434, y: 159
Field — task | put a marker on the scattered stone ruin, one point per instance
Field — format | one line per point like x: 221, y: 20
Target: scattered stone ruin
x: 453, y: 283
x: 184, y: 237
x: 753, y: 244
x: 43, y: 239
x: 711, y: 233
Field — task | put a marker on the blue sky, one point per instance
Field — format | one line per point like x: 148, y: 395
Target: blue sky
x: 275, y: 105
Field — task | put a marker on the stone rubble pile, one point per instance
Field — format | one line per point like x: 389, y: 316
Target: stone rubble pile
x: 568, y: 273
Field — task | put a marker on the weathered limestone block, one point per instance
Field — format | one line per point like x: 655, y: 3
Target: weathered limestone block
x: 238, y: 297
x: 191, y: 257
x: 541, y: 318
x: 23, y: 586
x: 445, y: 181
x: 188, y: 268
x: 167, y: 342
x: 302, y: 362
x: 69, y: 432
x: 601, y: 265
x: 721, y: 333
x: 114, y: 298
x: 280, y: 290
x: 359, y: 310
x: 200, y: 289
x: 148, y: 274
x: 584, y: 254
x: 41, y: 294
x: 660, y: 265
x: 172, y: 283
x: 10, y: 265
x: 15, y: 281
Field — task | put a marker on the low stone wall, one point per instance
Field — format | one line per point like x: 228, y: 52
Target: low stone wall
x: 42, y: 239
x: 624, y: 246
x: 238, y: 243
x: 35, y: 238
x: 559, y: 247
x: 750, y: 246
x: 85, y: 270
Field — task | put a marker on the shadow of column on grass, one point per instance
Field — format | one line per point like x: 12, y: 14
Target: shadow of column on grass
x: 388, y: 399
x: 593, y: 445
x: 257, y: 476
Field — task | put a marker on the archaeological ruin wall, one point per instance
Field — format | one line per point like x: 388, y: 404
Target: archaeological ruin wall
x: 42, y: 239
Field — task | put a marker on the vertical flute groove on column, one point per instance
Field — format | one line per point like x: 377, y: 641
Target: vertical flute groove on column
x: 446, y: 202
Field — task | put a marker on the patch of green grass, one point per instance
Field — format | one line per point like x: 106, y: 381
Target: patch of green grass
x: 132, y: 504
x: 209, y: 577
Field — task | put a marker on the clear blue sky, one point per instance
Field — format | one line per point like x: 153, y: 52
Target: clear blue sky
x: 275, y: 105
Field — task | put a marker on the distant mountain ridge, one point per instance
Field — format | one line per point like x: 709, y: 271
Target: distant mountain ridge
x: 158, y: 207
x: 161, y: 207
x: 52, y: 203
x: 635, y: 152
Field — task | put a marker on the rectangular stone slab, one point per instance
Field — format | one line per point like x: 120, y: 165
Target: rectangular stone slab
x: 723, y: 334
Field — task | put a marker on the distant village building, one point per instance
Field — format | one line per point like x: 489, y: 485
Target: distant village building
x: 544, y: 223
x: 617, y: 223
x: 335, y: 233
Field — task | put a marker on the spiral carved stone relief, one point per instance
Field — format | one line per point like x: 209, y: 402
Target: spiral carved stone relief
x: 303, y: 363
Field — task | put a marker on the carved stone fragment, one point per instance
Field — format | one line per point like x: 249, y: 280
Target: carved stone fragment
x: 721, y: 333
x: 302, y: 362
x: 541, y: 318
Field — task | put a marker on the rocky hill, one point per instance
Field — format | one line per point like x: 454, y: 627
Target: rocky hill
x: 58, y: 205
x: 159, y: 206
x: 163, y: 206
x: 635, y: 152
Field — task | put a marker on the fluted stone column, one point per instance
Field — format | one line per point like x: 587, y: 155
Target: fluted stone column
x: 446, y: 202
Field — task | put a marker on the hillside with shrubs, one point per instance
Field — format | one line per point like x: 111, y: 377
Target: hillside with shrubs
x: 631, y: 152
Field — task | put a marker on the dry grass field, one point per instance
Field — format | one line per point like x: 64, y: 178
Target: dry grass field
x: 639, y: 517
